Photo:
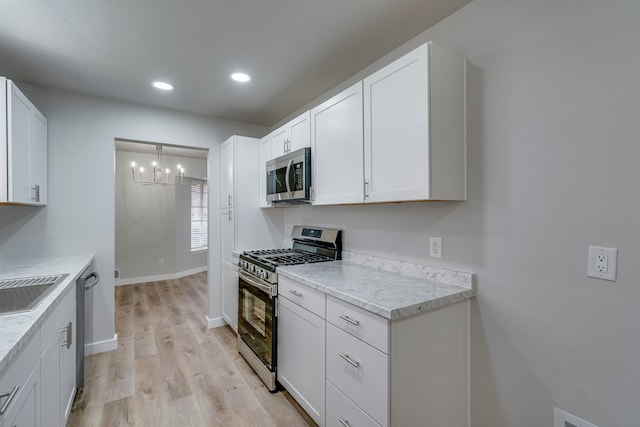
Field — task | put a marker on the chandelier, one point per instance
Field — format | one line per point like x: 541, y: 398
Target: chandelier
x: 159, y: 175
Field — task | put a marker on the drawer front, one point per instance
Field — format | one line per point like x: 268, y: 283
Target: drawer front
x: 304, y: 296
x: 360, y: 371
x: 14, y: 379
x: 362, y: 324
x: 342, y: 412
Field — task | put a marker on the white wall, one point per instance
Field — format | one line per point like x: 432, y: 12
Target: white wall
x: 553, y: 128
x: 154, y: 222
x: 80, y: 216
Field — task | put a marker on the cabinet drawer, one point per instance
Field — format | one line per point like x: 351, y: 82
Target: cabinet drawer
x: 14, y: 379
x: 304, y: 296
x: 360, y: 371
x: 341, y: 411
x: 362, y: 324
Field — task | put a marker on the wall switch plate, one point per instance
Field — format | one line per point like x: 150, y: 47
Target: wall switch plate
x: 160, y: 263
x: 602, y: 263
x: 565, y: 419
x: 435, y: 247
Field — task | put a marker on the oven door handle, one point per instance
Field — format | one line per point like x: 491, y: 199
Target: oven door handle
x: 287, y: 178
x: 269, y: 290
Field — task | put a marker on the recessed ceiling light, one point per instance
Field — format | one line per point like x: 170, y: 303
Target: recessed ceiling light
x: 241, y: 77
x: 162, y: 85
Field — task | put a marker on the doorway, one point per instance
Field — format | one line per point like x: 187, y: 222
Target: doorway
x: 161, y: 205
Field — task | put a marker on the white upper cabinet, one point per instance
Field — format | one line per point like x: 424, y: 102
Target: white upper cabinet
x: 337, y: 149
x: 414, y: 128
x: 292, y: 136
x: 265, y: 156
x: 23, y: 143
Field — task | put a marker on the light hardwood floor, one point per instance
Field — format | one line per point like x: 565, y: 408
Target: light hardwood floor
x: 170, y: 370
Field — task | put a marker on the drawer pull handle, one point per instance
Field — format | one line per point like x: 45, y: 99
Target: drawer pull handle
x: 296, y: 293
x: 344, y: 422
x: 350, y: 320
x: 349, y: 360
x: 10, y: 398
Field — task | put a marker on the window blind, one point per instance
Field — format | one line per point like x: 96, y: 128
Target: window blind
x: 199, y: 215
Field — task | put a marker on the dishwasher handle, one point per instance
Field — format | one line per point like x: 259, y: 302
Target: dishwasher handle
x: 91, y: 280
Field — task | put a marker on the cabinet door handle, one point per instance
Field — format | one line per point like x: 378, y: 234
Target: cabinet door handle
x: 229, y: 200
x: 69, y: 338
x: 296, y: 293
x: 366, y: 189
x: 349, y: 360
x: 36, y: 190
x: 350, y: 320
x: 10, y: 398
x: 344, y: 422
x: 230, y: 215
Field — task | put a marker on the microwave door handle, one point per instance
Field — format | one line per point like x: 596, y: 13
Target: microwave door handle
x: 287, y: 178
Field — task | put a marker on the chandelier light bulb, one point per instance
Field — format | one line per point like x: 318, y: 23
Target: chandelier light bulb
x: 133, y: 164
x: 179, y: 167
x: 141, y: 169
x: 154, y: 163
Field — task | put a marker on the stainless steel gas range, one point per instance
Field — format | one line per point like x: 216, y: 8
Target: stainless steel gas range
x: 258, y: 293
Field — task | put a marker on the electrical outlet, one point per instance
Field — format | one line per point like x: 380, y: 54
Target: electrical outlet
x: 160, y: 263
x: 435, y: 247
x: 602, y: 263
x: 565, y: 419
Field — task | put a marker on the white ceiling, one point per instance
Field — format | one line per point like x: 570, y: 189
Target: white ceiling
x: 294, y: 49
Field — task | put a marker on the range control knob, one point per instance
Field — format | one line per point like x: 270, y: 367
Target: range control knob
x: 252, y: 268
x: 264, y: 275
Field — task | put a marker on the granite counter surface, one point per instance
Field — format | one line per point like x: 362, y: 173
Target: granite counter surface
x: 389, y: 294
x: 17, y: 328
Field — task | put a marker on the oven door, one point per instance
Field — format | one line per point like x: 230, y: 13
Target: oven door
x: 257, y: 317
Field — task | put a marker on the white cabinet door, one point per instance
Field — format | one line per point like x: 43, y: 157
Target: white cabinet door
x: 38, y: 158
x: 301, y: 356
x: 414, y: 128
x: 279, y: 141
x: 227, y: 164
x: 292, y: 136
x: 337, y: 149
x: 50, y: 384
x: 265, y: 156
x: 67, y: 366
x: 230, y: 296
x: 19, y: 142
x: 25, y: 412
x: 300, y: 132
x: 25, y: 163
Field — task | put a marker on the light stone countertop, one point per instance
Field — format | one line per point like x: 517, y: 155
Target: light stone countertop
x: 17, y: 328
x: 392, y: 294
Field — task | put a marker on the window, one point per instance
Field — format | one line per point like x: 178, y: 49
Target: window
x: 199, y: 215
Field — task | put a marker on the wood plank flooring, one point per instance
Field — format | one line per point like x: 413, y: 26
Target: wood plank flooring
x: 170, y: 370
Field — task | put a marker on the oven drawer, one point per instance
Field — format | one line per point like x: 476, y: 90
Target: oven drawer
x: 311, y: 299
x: 362, y: 324
x: 360, y: 371
x: 341, y: 411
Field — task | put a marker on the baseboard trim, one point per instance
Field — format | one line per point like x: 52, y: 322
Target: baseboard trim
x: 170, y: 276
x: 215, y: 322
x: 101, y: 346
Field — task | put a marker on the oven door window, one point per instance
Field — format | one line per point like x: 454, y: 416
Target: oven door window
x: 257, y: 321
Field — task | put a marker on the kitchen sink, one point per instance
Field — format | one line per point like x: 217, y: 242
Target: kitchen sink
x: 24, y: 294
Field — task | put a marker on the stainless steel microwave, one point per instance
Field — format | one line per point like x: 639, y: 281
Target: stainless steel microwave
x: 289, y: 177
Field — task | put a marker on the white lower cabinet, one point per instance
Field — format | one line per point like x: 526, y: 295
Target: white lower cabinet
x: 373, y: 371
x: 20, y: 388
x: 301, y: 357
x: 58, y: 362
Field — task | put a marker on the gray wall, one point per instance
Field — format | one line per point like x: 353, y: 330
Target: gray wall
x: 553, y: 128
x: 80, y: 216
x: 154, y: 222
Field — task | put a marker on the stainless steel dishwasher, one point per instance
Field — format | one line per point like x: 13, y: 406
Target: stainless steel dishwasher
x: 87, y: 280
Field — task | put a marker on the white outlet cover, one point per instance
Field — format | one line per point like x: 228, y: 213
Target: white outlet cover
x: 565, y: 419
x: 435, y: 247
x: 600, y: 269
